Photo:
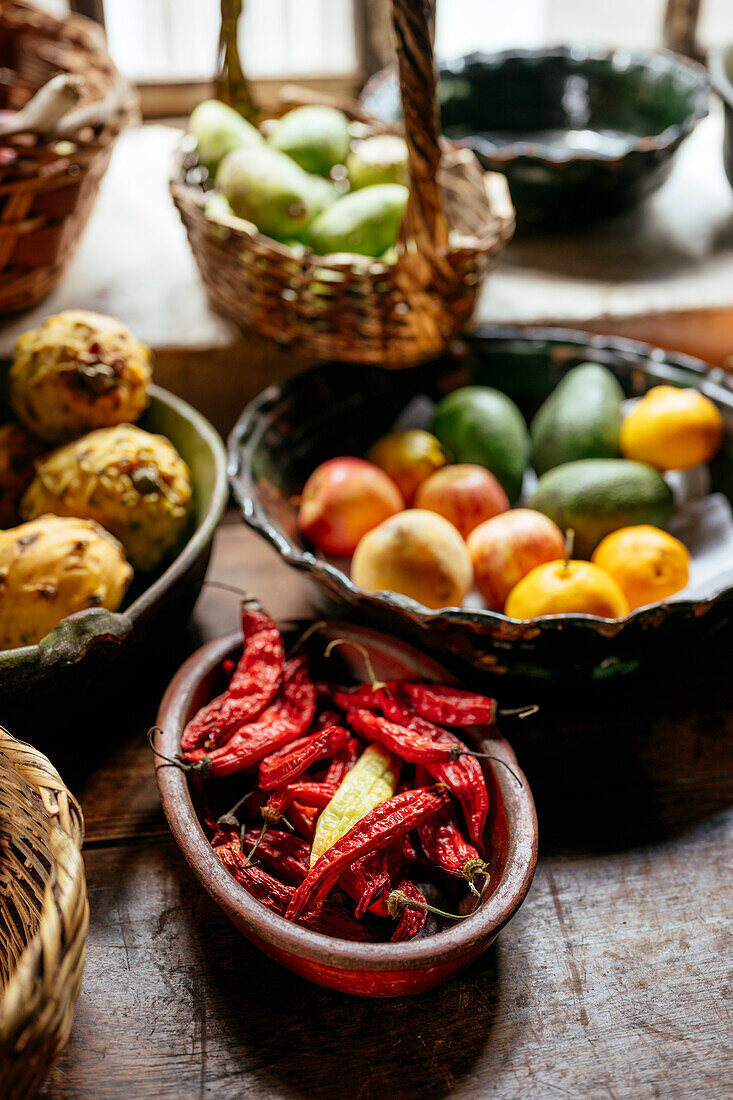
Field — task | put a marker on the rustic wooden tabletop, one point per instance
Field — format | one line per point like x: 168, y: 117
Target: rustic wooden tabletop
x: 613, y: 981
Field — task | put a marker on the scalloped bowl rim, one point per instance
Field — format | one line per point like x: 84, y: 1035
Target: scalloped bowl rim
x: 643, y: 59
x: 270, y: 927
x: 254, y: 516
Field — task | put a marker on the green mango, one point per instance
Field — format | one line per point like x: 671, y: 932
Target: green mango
x: 218, y: 130
x: 317, y: 138
x: 378, y: 159
x: 366, y: 222
x: 595, y: 496
x: 269, y: 189
x: 580, y: 419
x: 481, y: 425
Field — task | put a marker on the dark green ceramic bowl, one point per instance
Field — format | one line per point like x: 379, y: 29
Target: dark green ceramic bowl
x: 333, y: 410
x: 721, y: 70
x: 88, y: 653
x: 581, y: 132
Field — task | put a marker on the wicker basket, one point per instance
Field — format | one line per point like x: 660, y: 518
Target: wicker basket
x: 43, y: 915
x: 46, y: 198
x: 351, y: 307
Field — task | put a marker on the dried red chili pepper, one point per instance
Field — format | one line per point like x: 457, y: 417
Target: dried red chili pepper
x: 287, y: 764
x: 449, y: 706
x: 343, y: 762
x: 304, y: 819
x: 371, y: 876
x: 407, y: 743
x: 253, y: 685
x: 445, y: 846
x: 386, y: 822
x: 327, y: 717
x: 412, y: 919
x: 286, y: 718
x: 306, y: 793
x: 463, y: 776
x: 362, y: 697
x: 285, y: 855
x: 331, y: 919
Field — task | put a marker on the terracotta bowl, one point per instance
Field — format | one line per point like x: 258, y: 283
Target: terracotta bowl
x: 367, y: 969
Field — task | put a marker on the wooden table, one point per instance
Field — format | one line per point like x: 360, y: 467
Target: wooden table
x: 612, y: 983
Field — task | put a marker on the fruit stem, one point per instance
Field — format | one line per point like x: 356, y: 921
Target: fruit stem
x: 569, y: 547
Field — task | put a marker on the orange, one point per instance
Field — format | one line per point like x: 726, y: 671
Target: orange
x: 566, y: 588
x: 672, y: 429
x: 647, y: 564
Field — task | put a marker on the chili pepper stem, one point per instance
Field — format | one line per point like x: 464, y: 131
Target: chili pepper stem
x: 248, y: 599
x: 255, y: 846
x: 472, y: 870
x: 377, y: 685
x: 230, y: 817
x: 519, y: 712
x: 456, y: 752
x: 169, y: 760
x: 300, y: 642
x: 398, y: 900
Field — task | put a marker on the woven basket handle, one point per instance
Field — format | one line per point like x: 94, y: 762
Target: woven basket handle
x: 424, y: 220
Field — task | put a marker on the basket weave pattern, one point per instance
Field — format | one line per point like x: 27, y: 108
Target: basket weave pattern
x: 44, y: 915
x: 46, y: 196
x: 351, y: 307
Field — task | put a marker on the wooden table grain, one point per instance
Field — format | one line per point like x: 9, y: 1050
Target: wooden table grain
x: 612, y: 983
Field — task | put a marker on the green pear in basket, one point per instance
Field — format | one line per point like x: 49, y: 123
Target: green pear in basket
x: 366, y: 222
x: 317, y: 138
x: 378, y: 159
x: 269, y: 189
x: 218, y: 130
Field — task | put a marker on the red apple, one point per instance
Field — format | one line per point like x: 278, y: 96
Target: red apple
x: 342, y: 500
x: 465, y: 495
x: 504, y: 549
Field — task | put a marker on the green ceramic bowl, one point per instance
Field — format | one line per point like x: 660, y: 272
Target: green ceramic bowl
x: 331, y: 410
x: 721, y: 70
x: 581, y: 132
x: 80, y: 658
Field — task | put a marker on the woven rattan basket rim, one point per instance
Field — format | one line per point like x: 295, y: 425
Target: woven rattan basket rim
x: 107, y: 115
x: 496, y: 234
x: 37, y: 1001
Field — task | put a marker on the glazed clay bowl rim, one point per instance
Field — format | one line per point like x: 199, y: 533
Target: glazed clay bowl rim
x: 672, y: 368
x: 75, y: 636
x: 721, y: 74
x: 294, y: 939
x: 645, y: 60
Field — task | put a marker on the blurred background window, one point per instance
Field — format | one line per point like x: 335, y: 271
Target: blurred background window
x: 159, y: 42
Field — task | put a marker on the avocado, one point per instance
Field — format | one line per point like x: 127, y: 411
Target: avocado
x: 482, y: 425
x: 317, y: 138
x: 366, y: 222
x: 580, y: 419
x: 595, y: 496
x: 218, y: 130
x: 269, y: 189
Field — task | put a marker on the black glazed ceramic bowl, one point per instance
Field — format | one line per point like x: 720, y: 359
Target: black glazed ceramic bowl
x: 88, y: 654
x: 287, y: 431
x: 721, y: 71
x: 581, y: 132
